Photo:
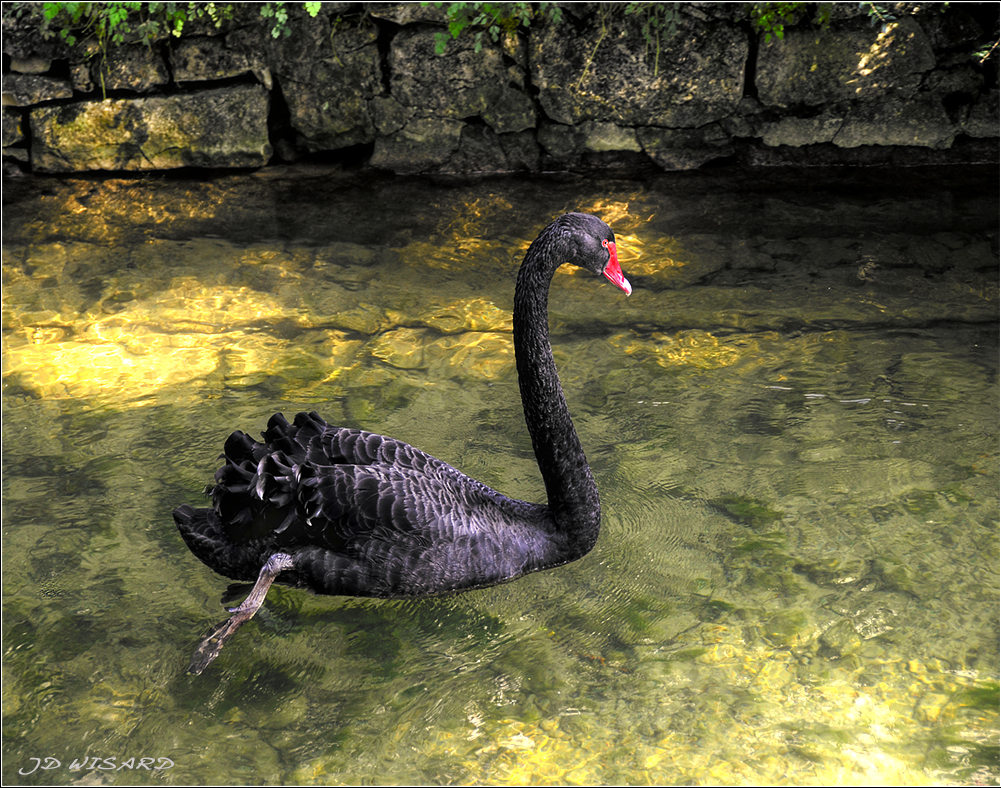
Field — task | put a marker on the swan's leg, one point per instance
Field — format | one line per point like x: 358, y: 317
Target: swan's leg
x: 273, y: 567
x: 213, y: 642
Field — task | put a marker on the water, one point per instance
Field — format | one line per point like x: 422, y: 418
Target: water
x: 793, y: 423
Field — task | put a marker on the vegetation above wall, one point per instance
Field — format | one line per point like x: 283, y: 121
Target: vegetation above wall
x: 116, y: 22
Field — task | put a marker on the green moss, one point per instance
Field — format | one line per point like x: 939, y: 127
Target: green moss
x: 789, y: 628
x: 986, y: 697
x: 921, y: 502
x: 770, y: 543
x: 749, y: 511
x: 687, y: 654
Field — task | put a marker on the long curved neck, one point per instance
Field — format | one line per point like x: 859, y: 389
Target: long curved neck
x: 573, y: 495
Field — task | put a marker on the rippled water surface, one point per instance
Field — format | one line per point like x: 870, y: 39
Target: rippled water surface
x: 793, y: 422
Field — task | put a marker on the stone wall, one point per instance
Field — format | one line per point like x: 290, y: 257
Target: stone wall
x: 362, y: 82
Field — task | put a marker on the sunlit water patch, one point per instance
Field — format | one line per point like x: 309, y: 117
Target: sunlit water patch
x: 793, y: 423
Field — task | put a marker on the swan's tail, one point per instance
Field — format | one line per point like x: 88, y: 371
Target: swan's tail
x: 203, y: 533
x: 253, y: 500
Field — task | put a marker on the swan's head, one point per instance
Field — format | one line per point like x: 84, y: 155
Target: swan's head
x: 593, y: 244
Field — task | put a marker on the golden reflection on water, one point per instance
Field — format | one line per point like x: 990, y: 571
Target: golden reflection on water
x: 692, y: 348
x: 113, y: 210
x: 467, y: 232
x: 642, y: 256
x: 131, y: 344
x: 477, y: 314
x: 188, y: 334
x: 617, y: 214
x: 74, y: 369
x: 484, y: 355
x: 455, y: 254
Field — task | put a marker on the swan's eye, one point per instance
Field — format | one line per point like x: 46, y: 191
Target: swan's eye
x: 604, y: 242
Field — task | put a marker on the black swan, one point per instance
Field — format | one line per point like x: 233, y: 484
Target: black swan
x: 348, y: 512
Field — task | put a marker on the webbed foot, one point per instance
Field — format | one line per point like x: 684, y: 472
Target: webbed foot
x: 211, y: 644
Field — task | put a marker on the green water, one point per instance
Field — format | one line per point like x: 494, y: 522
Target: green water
x: 793, y: 422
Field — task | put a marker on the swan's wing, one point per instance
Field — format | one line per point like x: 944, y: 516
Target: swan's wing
x: 309, y: 439
x: 373, y: 530
x: 256, y: 487
x: 316, y: 484
x: 353, y: 486
x: 342, y: 506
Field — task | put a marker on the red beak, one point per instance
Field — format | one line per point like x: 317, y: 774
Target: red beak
x: 613, y: 273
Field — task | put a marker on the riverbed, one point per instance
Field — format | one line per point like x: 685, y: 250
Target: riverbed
x: 792, y: 421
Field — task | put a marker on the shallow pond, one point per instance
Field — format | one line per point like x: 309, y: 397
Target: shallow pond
x: 793, y: 422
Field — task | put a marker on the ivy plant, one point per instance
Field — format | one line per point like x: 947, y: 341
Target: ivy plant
x: 115, y: 23
x: 772, y: 18
x: 659, y: 25
x: 112, y: 24
x: 490, y: 19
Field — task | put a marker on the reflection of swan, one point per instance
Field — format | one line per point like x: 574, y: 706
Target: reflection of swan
x: 343, y: 511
